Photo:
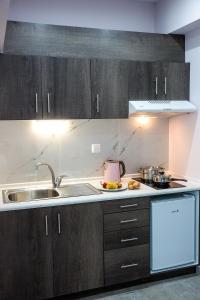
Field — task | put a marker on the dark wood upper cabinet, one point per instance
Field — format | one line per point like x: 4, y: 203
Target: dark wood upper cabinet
x: 140, y: 85
x: 65, y: 85
x: 70, y: 97
x: 25, y: 256
x: 109, y: 89
x: 20, y: 89
x: 176, y: 80
x: 158, y: 81
x: 33, y: 87
x: 78, y: 248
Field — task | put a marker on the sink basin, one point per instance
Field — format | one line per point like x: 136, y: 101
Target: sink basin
x: 29, y: 195
x: 70, y: 190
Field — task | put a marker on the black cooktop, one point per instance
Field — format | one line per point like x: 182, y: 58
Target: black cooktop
x: 171, y: 185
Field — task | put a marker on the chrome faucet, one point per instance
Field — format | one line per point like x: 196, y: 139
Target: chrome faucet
x: 56, y: 181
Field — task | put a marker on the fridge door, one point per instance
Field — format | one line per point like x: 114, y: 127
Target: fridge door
x: 173, y: 233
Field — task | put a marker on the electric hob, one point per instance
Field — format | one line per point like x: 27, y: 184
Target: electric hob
x: 171, y: 185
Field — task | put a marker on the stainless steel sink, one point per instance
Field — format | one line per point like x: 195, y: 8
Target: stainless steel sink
x: 66, y: 191
x: 29, y: 194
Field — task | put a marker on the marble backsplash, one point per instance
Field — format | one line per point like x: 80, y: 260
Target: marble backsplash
x: 69, y: 153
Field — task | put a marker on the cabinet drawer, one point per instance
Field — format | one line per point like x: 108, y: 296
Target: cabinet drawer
x: 125, y: 220
x: 125, y: 205
x: 126, y: 264
x: 126, y: 238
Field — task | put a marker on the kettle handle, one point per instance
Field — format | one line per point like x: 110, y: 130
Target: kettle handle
x: 123, y: 168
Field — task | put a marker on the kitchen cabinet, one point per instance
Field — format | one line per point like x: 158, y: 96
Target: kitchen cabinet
x: 25, y: 255
x: 33, y: 87
x: 66, y: 88
x: 158, y: 81
x: 50, y: 252
x: 78, y: 248
x: 176, y: 80
x: 109, y: 80
x: 126, y: 240
x: 20, y: 89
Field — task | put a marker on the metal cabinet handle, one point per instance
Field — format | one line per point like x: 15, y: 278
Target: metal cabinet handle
x: 48, y: 103
x: 156, y: 85
x: 129, y: 205
x: 129, y: 266
x: 98, y: 103
x: 128, y: 221
x: 36, y: 103
x: 129, y: 240
x: 59, y: 223
x: 46, y: 226
x: 165, y: 86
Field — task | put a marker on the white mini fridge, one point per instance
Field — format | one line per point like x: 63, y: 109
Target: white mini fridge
x: 174, y: 232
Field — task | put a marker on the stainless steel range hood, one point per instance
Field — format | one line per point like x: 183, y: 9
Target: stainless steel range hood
x: 160, y: 108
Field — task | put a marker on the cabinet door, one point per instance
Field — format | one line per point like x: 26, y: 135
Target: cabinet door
x: 66, y: 88
x: 20, y: 94
x: 140, y: 81
x: 176, y: 80
x: 109, y: 89
x: 25, y: 256
x: 78, y: 248
x: 145, y: 81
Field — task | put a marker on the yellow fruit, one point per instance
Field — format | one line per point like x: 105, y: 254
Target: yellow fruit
x: 130, y: 186
x: 133, y: 185
x: 112, y: 185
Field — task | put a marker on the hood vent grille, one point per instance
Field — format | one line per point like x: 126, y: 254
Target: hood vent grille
x: 159, y: 101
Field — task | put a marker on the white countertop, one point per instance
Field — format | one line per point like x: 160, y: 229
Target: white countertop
x: 143, y: 191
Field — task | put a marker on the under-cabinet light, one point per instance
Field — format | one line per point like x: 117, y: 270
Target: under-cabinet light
x: 143, y: 120
x: 50, y: 127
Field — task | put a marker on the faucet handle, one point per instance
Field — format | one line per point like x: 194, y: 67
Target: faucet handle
x: 59, y: 180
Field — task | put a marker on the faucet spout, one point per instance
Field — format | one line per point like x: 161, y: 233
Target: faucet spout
x: 53, y: 177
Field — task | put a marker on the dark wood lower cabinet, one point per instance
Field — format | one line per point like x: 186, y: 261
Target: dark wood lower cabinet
x: 25, y: 255
x: 46, y: 253
x: 57, y: 251
x: 78, y: 248
x: 126, y: 264
x: 126, y: 240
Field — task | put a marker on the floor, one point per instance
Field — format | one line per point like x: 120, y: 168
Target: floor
x: 180, y: 288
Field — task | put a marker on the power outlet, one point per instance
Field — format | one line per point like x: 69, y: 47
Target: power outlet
x: 96, y: 148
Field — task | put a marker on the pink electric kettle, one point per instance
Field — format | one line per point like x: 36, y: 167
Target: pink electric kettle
x: 113, y: 170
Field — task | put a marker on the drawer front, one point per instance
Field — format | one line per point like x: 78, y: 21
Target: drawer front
x: 126, y: 238
x: 125, y: 205
x: 126, y: 264
x: 126, y: 220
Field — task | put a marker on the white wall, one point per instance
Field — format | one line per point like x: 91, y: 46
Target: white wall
x: 172, y: 15
x: 106, y: 14
x: 184, y: 138
x: 4, y: 7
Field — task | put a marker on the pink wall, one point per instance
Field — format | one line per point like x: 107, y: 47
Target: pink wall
x: 184, y: 138
x: 127, y: 15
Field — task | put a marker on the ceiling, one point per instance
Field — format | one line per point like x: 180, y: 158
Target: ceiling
x: 147, y: 0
